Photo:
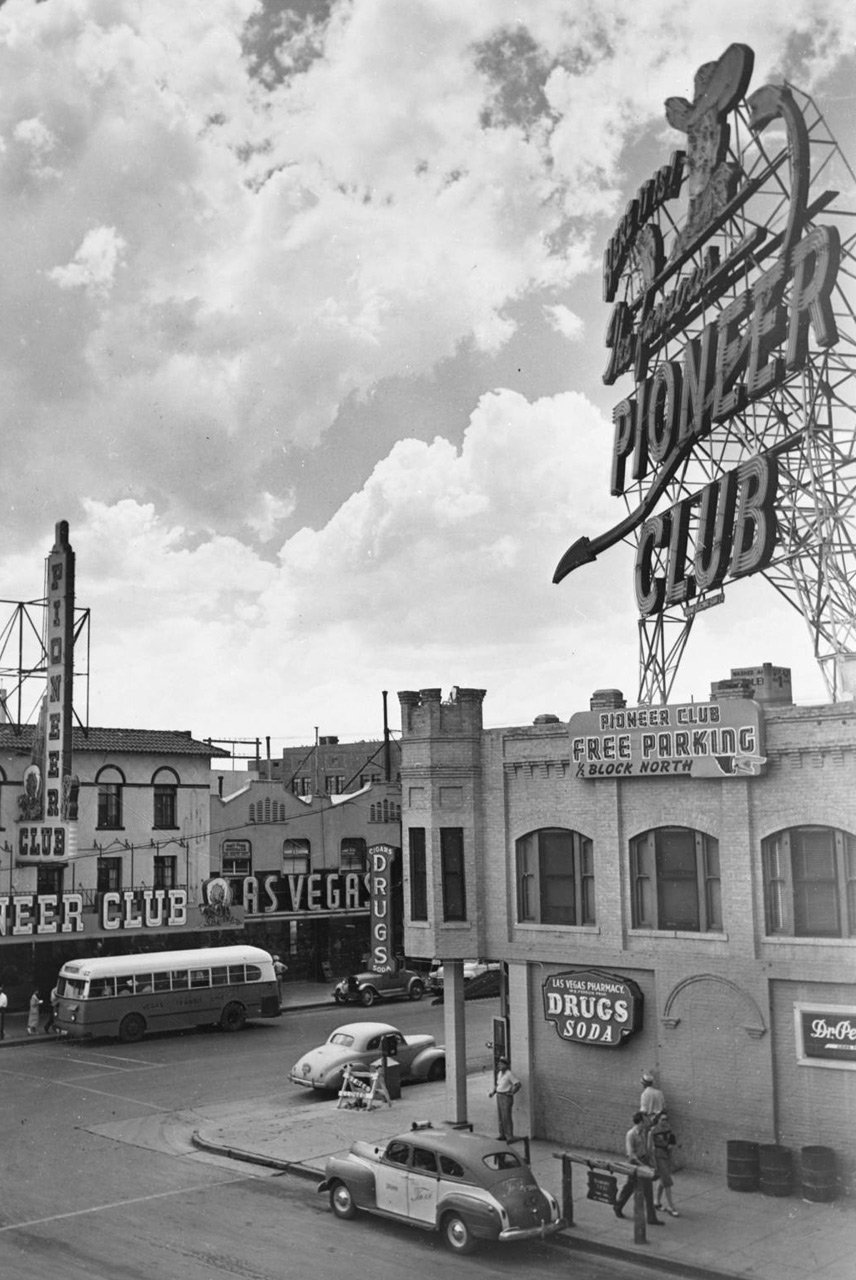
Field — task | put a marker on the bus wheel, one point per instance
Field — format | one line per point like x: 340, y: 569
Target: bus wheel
x: 233, y: 1017
x: 131, y: 1028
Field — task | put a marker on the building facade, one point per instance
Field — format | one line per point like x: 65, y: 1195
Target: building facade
x: 133, y: 877
x: 673, y: 888
x: 299, y: 867
x: 331, y: 768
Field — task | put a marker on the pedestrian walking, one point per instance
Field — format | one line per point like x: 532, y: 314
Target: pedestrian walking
x: 280, y: 970
x: 662, y: 1141
x: 504, y: 1089
x: 53, y: 1005
x: 4, y: 1004
x: 652, y: 1100
x: 637, y: 1147
x: 33, y: 1015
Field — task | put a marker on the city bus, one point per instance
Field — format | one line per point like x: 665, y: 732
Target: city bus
x: 126, y: 996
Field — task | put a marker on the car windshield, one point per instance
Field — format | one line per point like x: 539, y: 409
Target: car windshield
x: 341, y: 1037
x: 501, y: 1160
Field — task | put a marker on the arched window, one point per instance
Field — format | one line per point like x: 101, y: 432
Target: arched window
x: 810, y: 882
x: 165, y: 783
x: 555, y: 878
x: 674, y: 875
x: 110, y: 781
x: 352, y: 855
x: 295, y: 857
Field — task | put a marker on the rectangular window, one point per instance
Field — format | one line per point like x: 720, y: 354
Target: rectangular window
x: 165, y: 873
x: 165, y: 807
x: 109, y: 875
x: 110, y: 805
x: 49, y: 880
x: 334, y: 784
x: 418, y: 874
x: 452, y: 873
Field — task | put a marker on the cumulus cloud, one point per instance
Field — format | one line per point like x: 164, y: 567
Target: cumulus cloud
x: 227, y: 226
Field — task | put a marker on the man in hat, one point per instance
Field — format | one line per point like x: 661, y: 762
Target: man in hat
x: 504, y: 1090
x: 652, y: 1101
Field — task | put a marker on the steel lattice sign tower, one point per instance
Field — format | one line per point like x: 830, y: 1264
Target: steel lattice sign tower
x: 731, y: 286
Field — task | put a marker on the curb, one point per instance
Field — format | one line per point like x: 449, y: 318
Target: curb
x: 577, y: 1244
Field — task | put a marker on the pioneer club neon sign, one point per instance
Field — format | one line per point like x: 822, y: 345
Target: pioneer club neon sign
x: 755, y: 343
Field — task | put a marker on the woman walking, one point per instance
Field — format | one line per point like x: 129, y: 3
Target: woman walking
x: 662, y: 1141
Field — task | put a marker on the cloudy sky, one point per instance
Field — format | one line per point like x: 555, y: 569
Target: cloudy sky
x: 303, y: 335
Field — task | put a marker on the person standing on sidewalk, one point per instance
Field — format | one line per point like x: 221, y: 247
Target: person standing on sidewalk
x: 33, y: 1015
x: 637, y: 1146
x: 53, y: 1005
x: 652, y: 1101
x: 4, y: 1004
x: 504, y: 1090
x: 662, y: 1141
x: 280, y: 970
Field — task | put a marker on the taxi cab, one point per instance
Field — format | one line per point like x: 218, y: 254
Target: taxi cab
x: 466, y: 1186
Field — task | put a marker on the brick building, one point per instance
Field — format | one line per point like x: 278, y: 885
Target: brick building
x: 672, y: 888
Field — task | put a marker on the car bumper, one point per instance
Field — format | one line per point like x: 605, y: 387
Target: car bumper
x: 305, y: 1082
x: 532, y: 1233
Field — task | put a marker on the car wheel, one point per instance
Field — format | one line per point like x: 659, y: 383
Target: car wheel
x: 233, y: 1017
x: 457, y: 1234
x: 132, y: 1028
x: 339, y: 998
x: 368, y: 995
x: 437, y: 1070
x: 416, y: 991
x: 341, y: 1201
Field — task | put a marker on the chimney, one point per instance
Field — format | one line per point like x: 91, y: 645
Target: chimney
x: 607, y: 700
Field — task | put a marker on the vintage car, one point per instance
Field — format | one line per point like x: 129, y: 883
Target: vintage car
x: 472, y: 969
x: 366, y: 988
x: 362, y: 1043
x: 464, y: 1185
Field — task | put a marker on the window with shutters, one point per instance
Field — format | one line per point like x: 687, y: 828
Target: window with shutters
x: 555, y: 878
x: 810, y: 882
x: 675, y: 881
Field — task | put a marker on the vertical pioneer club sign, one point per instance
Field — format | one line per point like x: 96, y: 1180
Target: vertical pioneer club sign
x: 380, y: 863
x: 47, y: 832
x: 701, y: 350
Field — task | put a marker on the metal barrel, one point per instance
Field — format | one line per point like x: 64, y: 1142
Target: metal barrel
x: 742, y: 1171
x: 776, y: 1170
x: 818, y: 1174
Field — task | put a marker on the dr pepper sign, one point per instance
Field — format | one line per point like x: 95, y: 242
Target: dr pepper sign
x: 590, y: 1007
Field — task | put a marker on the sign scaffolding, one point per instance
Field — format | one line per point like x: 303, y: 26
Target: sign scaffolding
x: 734, y: 451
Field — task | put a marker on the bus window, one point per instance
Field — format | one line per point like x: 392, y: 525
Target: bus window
x: 126, y: 986
x: 179, y: 979
x: 254, y: 973
x: 200, y: 978
x: 142, y: 984
x: 73, y: 988
x: 219, y: 976
x: 100, y: 987
x: 236, y: 973
x: 162, y: 982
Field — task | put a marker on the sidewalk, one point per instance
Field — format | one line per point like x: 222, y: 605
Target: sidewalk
x: 720, y: 1233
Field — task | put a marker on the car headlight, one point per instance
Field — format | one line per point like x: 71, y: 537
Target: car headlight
x: 305, y: 1069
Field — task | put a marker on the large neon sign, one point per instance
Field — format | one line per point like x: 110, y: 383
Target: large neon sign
x: 749, y: 302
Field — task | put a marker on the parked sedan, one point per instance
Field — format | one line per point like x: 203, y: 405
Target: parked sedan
x: 464, y: 1185
x: 472, y: 969
x: 361, y: 1044
x: 366, y: 988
